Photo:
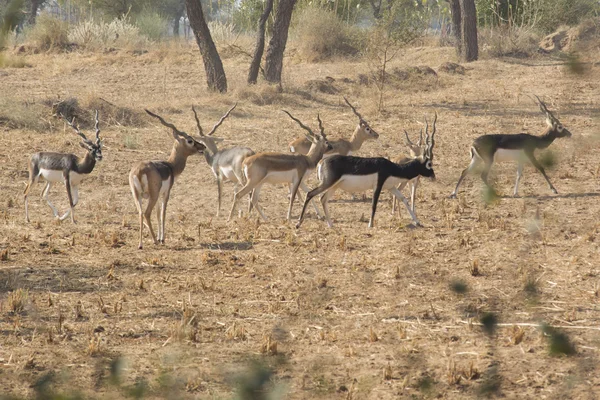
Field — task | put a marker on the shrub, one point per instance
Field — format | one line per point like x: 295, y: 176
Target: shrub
x: 49, y: 33
x: 506, y: 41
x: 320, y: 35
x: 152, y: 25
x: 222, y: 31
x: 555, y: 13
x: 92, y: 35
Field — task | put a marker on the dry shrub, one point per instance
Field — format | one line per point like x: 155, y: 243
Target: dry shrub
x: 17, y: 300
x: 49, y: 33
x: 119, y: 33
x: 112, y: 114
x: 320, y: 35
x: 152, y: 25
x: 509, y: 42
x: 13, y: 61
x: 23, y: 115
x: 84, y: 114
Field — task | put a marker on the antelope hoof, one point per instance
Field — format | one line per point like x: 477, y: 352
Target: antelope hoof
x: 452, y: 196
x: 554, y: 191
x: 140, y: 247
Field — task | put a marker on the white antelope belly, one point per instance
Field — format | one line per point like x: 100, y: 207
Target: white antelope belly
x: 504, y: 155
x: 228, y: 173
x: 52, y: 175
x: 357, y: 183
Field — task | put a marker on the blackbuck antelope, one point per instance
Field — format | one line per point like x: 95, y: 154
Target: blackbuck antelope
x: 362, y: 133
x: 66, y: 168
x: 358, y: 174
x: 488, y: 149
x: 415, y: 151
x: 154, y: 179
x: 226, y: 164
x: 276, y: 168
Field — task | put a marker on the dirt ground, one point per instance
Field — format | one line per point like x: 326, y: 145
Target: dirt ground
x: 347, y: 312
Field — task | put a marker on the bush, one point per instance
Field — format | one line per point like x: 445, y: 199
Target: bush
x: 320, y: 35
x: 504, y: 41
x: 152, y: 25
x: 555, y: 13
x: 49, y: 33
x: 93, y: 35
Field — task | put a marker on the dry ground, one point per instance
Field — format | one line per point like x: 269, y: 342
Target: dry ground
x: 348, y: 312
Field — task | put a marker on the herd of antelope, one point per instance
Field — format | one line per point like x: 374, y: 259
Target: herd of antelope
x: 336, y: 167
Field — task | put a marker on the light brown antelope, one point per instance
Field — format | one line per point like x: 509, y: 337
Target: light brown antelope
x: 276, y: 168
x: 66, y: 168
x: 361, y: 134
x: 226, y: 164
x: 520, y: 147
x: 153, y: 180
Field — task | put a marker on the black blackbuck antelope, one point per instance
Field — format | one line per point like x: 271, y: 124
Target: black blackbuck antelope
x: 488, y: 149
x: 415, y: 150
x: 153, y: 180
x: 276, y: 168
x: 226, y: 164
x: 359, y: 174
x: 66, y: 168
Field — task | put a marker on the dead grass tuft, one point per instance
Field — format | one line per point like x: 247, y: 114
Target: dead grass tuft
x: 17, y: 301
x: 4, y: 255
x: 268, y: 346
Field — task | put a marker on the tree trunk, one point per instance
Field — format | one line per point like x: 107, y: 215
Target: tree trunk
x: 35, y: 6
x: 215, y: 74
x: 274, y: 60
x: 177, y: 19
x: 260, y: 44
x: 469, y: 30
x: 456, y: 25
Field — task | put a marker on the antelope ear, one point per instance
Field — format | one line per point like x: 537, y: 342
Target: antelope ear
x: 85, y: 146
x: 218, y: 140
x: 549, y: 122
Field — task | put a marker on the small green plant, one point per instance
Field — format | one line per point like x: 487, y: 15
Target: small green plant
x: 152, y: 25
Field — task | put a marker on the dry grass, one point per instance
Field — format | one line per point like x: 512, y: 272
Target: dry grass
x: 348, y: 312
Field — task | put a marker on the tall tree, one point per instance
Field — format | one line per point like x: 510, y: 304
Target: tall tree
x: 260, y: 44
x: 456, y: 24
x: 34, y: 6
x: 274, y: 60
x: 215, y: 74
x: 470, y: 50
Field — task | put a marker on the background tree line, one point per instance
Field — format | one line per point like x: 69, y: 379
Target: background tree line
x: 394, y: 23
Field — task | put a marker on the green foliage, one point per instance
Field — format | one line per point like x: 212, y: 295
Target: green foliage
x: 49, y: 33
x: 489, y: 321
x: 152, y: 25
x: 321, y: 35
x: 544, y: 15
x: 560, y: 344
x: 246, y: 15
x: 459, y: 287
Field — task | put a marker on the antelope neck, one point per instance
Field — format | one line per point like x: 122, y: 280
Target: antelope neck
x: 546, y: 139
x: 85, y: 165
x: 177, y: 159
x: 356, y: 140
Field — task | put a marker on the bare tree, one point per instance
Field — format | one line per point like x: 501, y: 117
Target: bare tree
x: 274, y: 60
x: 260, y: 44
x: 215, y: 74
x: 469, y: 30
